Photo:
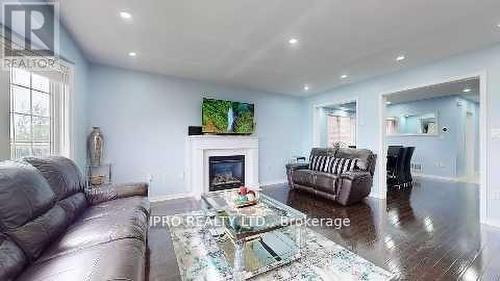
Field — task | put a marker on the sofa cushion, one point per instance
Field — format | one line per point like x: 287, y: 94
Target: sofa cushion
x: 36, y: 235
x: 12, y: 259
x: 28, y: 213
x: 62, y: 174
x: 74, y: 205
x: 326, y: 182
x: 118, y: 260
x: 24, y: 194
x: 304, y: 177
x: 120, y: 219
x: 363, y: 156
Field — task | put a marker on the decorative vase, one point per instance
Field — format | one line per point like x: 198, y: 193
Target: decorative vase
x: 95, y: 146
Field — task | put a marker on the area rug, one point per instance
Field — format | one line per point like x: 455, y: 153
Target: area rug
x: 200, y: 258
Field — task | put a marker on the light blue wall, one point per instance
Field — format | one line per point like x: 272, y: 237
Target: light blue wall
x: 323, y: 134
x: 71, y: 52
x: 464, y: 107
x: 369, y: 92
x: 451, y: 114
x: 145, y: 118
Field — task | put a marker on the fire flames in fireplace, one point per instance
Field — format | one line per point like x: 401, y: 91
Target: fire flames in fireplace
x: 223, y: 179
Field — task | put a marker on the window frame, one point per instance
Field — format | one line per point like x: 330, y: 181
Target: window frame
x: 32, y: 142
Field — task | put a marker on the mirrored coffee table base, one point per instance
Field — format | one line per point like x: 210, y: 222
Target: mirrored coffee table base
x: 266, y: 252
x: 259, y: 248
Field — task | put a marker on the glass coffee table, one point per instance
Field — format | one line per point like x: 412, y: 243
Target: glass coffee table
x: 258, y: 238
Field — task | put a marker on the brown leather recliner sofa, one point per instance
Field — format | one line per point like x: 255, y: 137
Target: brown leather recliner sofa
x: 51, y: 228
x: 345, y: 188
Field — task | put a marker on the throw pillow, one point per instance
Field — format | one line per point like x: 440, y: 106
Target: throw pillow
x: 319, y: 163
x: 341, y: 165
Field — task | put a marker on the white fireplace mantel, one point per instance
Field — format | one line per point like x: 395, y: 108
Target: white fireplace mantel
x: 200, y: 148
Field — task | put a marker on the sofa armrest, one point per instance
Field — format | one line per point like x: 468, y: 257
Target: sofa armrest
x: 115, y: 191
x: 297, y: 166
x: 353, y: 187
x: 290, y: 168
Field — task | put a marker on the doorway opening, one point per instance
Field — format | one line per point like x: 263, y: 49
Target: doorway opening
x: 433, y: 133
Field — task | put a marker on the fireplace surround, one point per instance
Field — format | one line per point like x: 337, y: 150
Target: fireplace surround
x: 201, y: 148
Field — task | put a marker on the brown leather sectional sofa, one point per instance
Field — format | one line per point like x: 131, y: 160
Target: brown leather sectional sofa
x: 51, y: 228
x: 346, y: 188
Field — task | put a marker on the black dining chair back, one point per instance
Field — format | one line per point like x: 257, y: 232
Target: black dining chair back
x: 393, y: 150
x: 408, y: 154
x: 399, y: 169
x: 392, y: 156
x: 399, y: 165
x: 395, y: 172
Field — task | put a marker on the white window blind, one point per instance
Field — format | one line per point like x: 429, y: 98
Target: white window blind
x: 341, y: 130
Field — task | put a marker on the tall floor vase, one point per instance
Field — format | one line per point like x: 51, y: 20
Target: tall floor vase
x: 95, y: 147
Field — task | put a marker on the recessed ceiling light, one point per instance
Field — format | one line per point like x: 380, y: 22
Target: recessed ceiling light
x: 388, y: 102
x: 467, y: 90
x: 125, y: 15
x: 401, y: 58
x: 132, y: 54
x: 343, y: 76
x: 293, y: 41
x: 306, y: 88
x: 498, y: 25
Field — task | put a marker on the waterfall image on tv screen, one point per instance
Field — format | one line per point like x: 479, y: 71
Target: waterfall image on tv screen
x: 227, y: 117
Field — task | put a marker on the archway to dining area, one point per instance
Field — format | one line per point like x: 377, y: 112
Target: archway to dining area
x: 432, y: 134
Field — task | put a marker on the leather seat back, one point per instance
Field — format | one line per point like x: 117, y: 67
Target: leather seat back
x: 29, y: 214
x: 366, y: 158
x: 319, y: 151
x: 61, y: 173
x: 65, y: 180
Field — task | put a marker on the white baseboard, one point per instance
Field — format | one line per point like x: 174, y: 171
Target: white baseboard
x: 170, y: 197
x: 491, y: 222
x: 377, y: 195
x: 435, y: 177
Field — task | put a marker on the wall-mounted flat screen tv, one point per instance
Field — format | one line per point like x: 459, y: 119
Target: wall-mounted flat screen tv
x: 227, y: 117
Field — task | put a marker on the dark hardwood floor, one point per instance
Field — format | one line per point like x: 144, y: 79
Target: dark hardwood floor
x: 428, y: 232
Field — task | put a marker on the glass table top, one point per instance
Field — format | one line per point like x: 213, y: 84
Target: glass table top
x: 246, y: 222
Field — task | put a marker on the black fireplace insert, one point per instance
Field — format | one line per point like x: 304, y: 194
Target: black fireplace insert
x: 226, y: 172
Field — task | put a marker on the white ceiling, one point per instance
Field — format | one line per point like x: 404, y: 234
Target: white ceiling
x: 245, y: 42
x: 455, y: 88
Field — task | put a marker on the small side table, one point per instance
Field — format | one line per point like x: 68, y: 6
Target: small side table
x: 99, y: 175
